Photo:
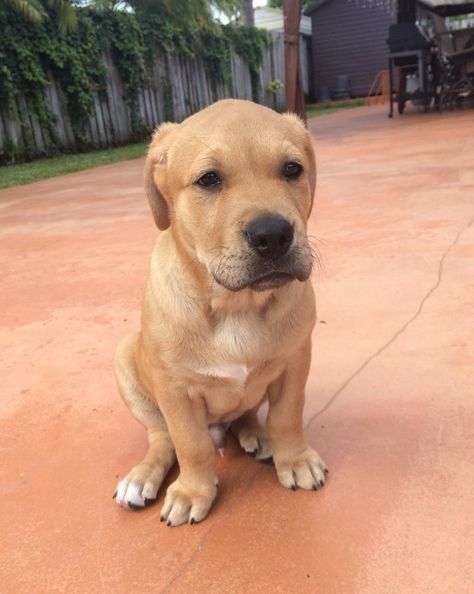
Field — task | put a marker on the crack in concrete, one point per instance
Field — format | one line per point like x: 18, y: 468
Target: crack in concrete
x: 396, y: 335
x: 202, y: 542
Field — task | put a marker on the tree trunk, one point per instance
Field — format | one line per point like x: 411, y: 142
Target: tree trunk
x: 249, y: 20
x: 294, y: 96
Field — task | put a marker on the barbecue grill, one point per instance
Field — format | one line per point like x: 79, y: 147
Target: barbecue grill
x: 411, y: 53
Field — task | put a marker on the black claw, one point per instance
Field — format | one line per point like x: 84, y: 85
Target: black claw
x: 315, y: 487
x: 149, y: 501
x: 162, y: 519
x: 133, y: 506
x: 321, y: 483
x: 293, y: 487
x: 192, y: 521
x: 168, y: 523
x: 326, y: 471
x: 114, y: 495
x: 267, y: 460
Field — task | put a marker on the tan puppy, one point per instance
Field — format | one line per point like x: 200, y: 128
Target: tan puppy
x: 228, y: 309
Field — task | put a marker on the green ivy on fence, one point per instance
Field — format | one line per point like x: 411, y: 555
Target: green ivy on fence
x: 30, y: 53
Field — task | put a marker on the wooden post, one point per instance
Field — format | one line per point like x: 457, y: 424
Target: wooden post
x: 406, y: 11
x: 294, y: 96
x: 249, y: 20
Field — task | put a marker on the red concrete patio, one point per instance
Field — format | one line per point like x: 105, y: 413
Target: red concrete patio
x: 389, y: 403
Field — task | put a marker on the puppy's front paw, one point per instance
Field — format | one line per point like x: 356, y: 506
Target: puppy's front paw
x: 304, y: 469
x: 188, y: 503
x: 140, y: 487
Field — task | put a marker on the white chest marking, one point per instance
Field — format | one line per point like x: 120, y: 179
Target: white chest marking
x: 237, y: 372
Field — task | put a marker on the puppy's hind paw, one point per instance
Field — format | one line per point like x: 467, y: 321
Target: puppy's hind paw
x: 255, y: 443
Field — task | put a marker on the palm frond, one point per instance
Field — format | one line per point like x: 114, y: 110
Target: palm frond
x: 66, y: 13
x: 187, y: 10
x: 31, y: 9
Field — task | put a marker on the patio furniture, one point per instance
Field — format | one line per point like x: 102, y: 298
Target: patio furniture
x: 456, y: 59
x: 324, y: 95
x: 379, y: 89
x: 342, y: 89
x: 445, y: 8
x: 411, y: 53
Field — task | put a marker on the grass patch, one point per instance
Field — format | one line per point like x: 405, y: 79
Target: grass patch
x: 26, y: 173
x: 319, y: 109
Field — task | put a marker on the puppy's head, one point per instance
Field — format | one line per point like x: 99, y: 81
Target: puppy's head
x: 236, y: 182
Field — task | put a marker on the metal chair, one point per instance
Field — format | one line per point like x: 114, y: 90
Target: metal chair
x: 456, y: 60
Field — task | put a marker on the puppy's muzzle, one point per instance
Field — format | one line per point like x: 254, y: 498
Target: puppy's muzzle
x: 270, y: 236
x: 272, y: 257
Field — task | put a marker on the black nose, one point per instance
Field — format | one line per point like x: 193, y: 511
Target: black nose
x: 270, y: 236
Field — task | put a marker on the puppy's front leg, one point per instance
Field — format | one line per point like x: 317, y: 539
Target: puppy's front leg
x: 190, y: 497
x: 296, y: 463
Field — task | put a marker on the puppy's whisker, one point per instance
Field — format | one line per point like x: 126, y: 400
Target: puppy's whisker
x: 318, y: 264
x: 318, y: 241
x: 316, y: 252
x: 316, y: 259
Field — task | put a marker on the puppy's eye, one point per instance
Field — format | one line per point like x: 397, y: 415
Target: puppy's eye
x: 209, y: 180
x: 292, y: 170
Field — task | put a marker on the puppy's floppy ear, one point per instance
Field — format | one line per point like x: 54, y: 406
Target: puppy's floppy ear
x: 309, y: 152
x: 157, y: 159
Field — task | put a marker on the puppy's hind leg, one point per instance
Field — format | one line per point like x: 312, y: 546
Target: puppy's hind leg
x: 140, y: 486
x: 252, y: 437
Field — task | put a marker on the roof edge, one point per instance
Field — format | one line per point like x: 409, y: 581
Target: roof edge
x: 314, y: 6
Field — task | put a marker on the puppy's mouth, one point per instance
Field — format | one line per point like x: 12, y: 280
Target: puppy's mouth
x: 243, y: 271
x: 260, y: 282
x: 272, y: 280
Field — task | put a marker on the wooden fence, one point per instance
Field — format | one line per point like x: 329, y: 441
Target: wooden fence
x: 178, y: 86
